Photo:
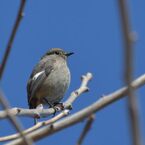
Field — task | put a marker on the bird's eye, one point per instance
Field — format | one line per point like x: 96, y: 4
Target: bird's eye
x: 57, y: 53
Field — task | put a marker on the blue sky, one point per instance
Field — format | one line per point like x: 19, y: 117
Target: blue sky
x: 92, y: 30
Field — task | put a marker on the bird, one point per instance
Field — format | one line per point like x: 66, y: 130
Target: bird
x: 49, y: 79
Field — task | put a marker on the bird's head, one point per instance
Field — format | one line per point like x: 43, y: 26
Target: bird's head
x: 59, y: 52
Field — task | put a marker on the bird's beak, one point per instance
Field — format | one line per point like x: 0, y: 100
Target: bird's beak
x: 69, y: 53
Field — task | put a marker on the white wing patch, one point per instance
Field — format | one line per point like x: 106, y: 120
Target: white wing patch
x: 37, y: 75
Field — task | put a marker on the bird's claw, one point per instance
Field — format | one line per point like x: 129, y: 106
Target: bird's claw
x: 57, y: 107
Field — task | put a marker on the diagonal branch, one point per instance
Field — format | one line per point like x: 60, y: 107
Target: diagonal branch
x: 132, y: 100
x: 79, y: 116
x: 13, y: 120
x: 86, y: 129
x: 12, y: 36
x: 3, y: 101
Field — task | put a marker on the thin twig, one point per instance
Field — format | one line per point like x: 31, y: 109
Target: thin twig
x: 83, y: 88
x: 3, y: 101
x: 79, y: 116
x: 45, y: 112
x: 86, y: 129
x: 13, y: 119
x: 37, y: 126
x: 132, y: 100
x: 12, y: 36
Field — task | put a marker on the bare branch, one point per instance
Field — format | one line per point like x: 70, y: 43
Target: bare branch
x: 12, y: 36
x: 45, y: 112
x: 83, y: 88
x: 79, y: 116
x: 132, y: 100
x: 13, y: 119
x: 37, y: 126
x: 86, y: 129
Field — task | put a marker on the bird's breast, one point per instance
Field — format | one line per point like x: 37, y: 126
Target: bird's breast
x: 56, y: 84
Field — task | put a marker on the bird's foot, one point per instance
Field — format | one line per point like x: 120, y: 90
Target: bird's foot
x: 57, y: 107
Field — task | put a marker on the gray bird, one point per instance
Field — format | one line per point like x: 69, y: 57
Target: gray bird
x: 49, y: 79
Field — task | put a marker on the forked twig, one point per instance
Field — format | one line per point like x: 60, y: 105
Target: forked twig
x: 67, y: 105
x: 45, y: 112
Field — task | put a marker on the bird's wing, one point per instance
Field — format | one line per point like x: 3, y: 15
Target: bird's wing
x: 39, y: 74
